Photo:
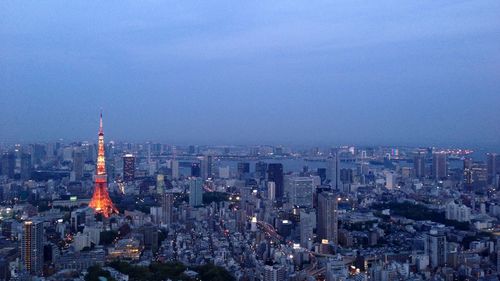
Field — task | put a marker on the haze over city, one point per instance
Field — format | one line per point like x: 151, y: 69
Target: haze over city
x: 227, y: 72
x: 250, y: 140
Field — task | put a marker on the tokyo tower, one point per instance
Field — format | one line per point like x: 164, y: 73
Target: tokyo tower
x: 101, y: 203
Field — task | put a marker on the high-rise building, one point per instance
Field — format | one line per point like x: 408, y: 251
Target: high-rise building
x: 439, y: 166
x: 333, y: 171
x: 328, y: 217
x: 271, y: 190
x: 174, y: 167
x: 274, y: 273
x: 419, y: 165
x: 307, y: 225
x: 275, y: 174
x: 468, y: 172
x: 101, y: 202
x: 78, y: 164
x: 195, y: 192
x: 32, y: 246
x: 160, y: 184
x: 322, y: 174
x: 206, y: 167
x: 128, y: 168
x: 493, y: 168
x: 436, y: 247
x: 8, y: 164
x: 260, y: 170
x: 243, y: 170
x: 25, y: 166
x: 300, y: 191
x: 195, y: 170
x: 167, y: 205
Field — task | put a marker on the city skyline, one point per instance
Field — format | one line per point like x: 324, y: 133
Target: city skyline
x: 345, y: 72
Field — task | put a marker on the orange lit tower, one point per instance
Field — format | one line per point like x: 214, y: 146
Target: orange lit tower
x: 101, y: 203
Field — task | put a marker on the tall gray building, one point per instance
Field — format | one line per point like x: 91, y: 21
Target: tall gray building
x: 328, y: 217
x: 32, y: 247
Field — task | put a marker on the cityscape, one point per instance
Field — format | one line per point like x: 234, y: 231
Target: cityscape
x: 249, y: 141
x: 124, y: 210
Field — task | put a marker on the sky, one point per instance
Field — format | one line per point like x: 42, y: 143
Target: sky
x: 248, y: 72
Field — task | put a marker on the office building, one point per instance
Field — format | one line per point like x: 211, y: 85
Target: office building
x: 260, y: 170
x: 275, y: 174
x: 439, y: 166
x: 436, y: 247
x: 8, y: 164
x: 493, y: 168
x: 128, y: 168
x: 300, y: 191
x: 32, y: 246
x: 167, y: 205
x: 195, y: 170
x: 327, y: 217
x: 333, y: 171
x: 419, y: 165
x: 195, y: 192
x: 243, y: 170
x: 274, y: 273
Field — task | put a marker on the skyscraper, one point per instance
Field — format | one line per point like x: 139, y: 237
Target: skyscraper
x: 436, y: 247
x: 328, y: 217
x: 195, y: 192
x: 174, y: 167
x: 8, y: 164
x: 243, y: 170
x: 195, y: 170
x: 128, y: 167
x: 493, y: 167
x: 32, y: 246
x: 275, y: 174
x: 25, y: 166
x: 333, y: 171
x: 419, y: 165
x: 78, y: 164
x: 260, y: 170
x: 439, y: 166
x: 468, y: 173
x: 160, y: 184
x: 100, y: 202
x: 300, y: 191
x: 167, y: 205
x: 206, y: 167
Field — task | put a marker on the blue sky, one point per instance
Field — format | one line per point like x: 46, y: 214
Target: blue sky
x: 303, y: 72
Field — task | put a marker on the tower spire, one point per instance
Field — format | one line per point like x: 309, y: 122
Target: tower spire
x: 101, y: 130
x: 101, y: 202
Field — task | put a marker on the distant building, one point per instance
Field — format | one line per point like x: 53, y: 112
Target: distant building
x: 328, y: 217
x: 174, y: 167
x: 436, y: 247
x: 274, y: 273
x: 260, y: 170
x: 493, y: 168
x: 457, y: 212
x: 243, y: 170
x: 275, y: 174
x: 419, y: 165
x: 195, y: 170
x: 8, y: 164
x: 167, y: 206
x: 439, y: 166
x: 195, y: 192
x: 32, y: 246
x: 333, y: 171
x: 128, y: 168
x: 300, y: 191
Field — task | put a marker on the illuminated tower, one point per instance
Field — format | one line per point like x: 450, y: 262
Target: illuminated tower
x: 101, y: 203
